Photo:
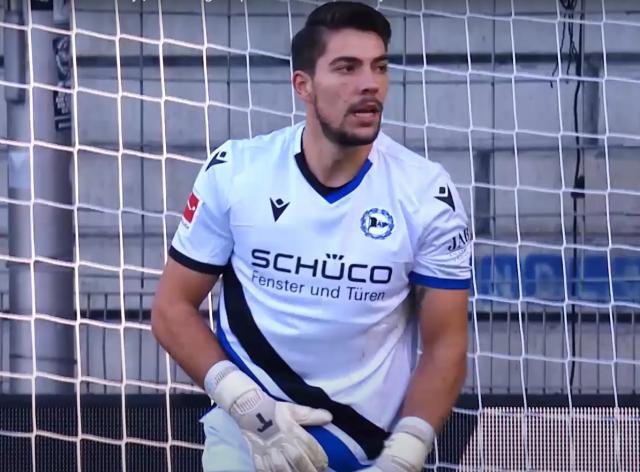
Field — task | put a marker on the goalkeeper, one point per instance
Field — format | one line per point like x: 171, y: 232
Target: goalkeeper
x: 319, y: 231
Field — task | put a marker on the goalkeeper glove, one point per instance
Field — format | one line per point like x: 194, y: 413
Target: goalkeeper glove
x: 272, y: 429
x: 407, y: 448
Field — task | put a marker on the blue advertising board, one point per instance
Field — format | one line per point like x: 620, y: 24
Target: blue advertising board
x: 543, y: 277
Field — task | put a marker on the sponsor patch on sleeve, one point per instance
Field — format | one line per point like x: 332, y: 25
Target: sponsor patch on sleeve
x: 190, y: 209
x: 458, y: 245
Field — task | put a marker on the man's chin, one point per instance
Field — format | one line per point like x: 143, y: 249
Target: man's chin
x: 351, y: 136
x: 364, y: 137
x: 361, y: 136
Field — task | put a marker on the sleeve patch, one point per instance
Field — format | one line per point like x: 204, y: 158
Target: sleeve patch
x: 191, y: 207
x: 459, y: 241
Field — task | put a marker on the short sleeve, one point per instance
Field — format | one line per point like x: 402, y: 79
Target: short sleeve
x: 443, y: 256
x: 203, y: 239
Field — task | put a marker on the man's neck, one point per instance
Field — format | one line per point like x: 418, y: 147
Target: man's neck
x: 331, y: 164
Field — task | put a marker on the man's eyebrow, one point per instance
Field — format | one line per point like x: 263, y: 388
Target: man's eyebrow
x: 344, y: 59
x: 353, y: 59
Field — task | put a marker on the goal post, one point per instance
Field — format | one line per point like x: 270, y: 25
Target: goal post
x: 110, y: 109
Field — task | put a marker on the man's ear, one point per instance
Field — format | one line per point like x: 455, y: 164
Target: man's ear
x: 303, y: 85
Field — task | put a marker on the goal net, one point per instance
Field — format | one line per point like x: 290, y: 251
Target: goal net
x: 111, y: 107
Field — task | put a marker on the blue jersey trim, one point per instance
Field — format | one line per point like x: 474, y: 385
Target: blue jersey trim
x: 437, y: 282
x: 341, y: 458
x: 351, y: 186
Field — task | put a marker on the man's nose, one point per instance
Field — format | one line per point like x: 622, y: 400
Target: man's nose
x: 369, y: 82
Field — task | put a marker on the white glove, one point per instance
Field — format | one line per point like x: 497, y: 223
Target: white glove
x: 273, y: 429
x: 407, y: 448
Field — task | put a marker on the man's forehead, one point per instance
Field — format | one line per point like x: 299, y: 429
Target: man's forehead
x: 353, y: 43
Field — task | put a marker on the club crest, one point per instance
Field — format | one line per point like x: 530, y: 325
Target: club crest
x: 376, y: 223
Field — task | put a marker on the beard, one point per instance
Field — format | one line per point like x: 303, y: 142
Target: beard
x: 339, y: 135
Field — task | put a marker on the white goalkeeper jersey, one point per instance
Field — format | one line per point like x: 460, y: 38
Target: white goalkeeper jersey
x: 315, y: 280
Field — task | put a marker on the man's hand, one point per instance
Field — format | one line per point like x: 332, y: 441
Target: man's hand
x: 407, y: 448
x: 273, y: 429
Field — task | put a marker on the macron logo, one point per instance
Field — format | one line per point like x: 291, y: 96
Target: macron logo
x: 278, y: 207
x: 218, y: 158
x: 446, y: 197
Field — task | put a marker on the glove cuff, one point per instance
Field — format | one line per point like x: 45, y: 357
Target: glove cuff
x: 409, y: 446
x: 215, y: 374
x: 237, y: 393
x: 417, y: 427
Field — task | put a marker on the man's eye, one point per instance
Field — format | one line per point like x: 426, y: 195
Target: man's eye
x: 346, y: 68
x: 383, y: 67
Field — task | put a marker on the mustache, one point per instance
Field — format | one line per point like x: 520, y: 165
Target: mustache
x: 367, y: 104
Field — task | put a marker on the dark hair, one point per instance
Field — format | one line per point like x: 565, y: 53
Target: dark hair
x: 310, y: 42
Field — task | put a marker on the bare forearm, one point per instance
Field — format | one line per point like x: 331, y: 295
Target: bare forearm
x: 436, y: 384
x: 187, y: 339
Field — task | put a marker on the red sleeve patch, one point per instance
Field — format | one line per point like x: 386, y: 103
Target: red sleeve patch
x: 191, y: 207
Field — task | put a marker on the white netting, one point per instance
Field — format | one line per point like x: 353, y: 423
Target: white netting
x: 529, y: 105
